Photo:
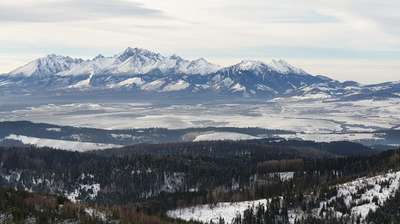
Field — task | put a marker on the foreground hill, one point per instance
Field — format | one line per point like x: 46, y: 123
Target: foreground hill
x: 146, y: 171
x: 150, y: 180
x: 18, y: 133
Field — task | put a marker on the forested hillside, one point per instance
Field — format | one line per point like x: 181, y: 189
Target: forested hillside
x: 154, y: 179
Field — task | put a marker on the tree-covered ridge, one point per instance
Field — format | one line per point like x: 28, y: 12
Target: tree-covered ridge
x: 119, y: 137
x: 365, y: 200
x: 370, y: 199
x: 170, y: 176
x: 264, y: 149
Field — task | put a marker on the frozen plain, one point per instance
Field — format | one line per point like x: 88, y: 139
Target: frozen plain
x: 305, y: 116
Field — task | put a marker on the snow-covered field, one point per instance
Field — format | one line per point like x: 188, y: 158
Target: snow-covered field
x: 329, y: 137
x: 60, y: 144
x: 223, y: 136
x: 207, y: 213
x: 313, y: 117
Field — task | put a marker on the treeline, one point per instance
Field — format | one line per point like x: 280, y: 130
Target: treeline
x: 351, y: 164
x: 121, y: 137
x: 258, y: 149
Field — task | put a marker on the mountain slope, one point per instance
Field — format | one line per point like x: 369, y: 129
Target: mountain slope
x: 49, y: 65
x: 140, y: 71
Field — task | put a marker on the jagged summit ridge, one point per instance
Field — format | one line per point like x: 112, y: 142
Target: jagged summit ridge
x: 278, y: 66
x: 138, y: 61
x: 138, y: 71
x: 51, y: 64
x: 132, y: 61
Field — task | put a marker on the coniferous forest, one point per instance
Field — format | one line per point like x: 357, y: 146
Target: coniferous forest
x: 142, y: 183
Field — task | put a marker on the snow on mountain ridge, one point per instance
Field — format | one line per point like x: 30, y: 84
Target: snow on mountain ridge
x: 200, y: 66
x: 139, y: 53
x: 141, y: 69
x: 284, y: 67
x: 247, y: 65
x: 278, y: 66
x: 140, y: 61
x: 48, y: 65
x: 89, y: 67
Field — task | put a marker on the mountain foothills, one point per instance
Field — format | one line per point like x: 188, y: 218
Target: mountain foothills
x: 143, y: 72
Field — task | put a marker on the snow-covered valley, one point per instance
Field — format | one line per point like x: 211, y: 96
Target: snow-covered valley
x: 317, y: 120
x: 316, y: 116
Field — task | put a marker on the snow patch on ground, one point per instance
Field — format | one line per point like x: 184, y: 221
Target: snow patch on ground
x: 60, y: 144
x: 208, y: 212
x: 54, y: 129
x: 173, y: 182
x: 238, y: 88
x: 154, y: 85
x: 82, y: 84
x: 91, y: 190
x: 216, y: 136
x: 123, y: 136
x: 13, y: 176
x: 180, y: 85
x: 365, y: 194
x: 308, y: 96
x: 331, y: 137
x: 283, y: 176
x: 128, y: 82
x: 94, y: 213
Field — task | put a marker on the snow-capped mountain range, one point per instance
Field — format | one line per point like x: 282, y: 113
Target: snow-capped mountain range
x: 142, y: 71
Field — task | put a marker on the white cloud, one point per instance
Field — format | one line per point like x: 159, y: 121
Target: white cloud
x: 69, y: 10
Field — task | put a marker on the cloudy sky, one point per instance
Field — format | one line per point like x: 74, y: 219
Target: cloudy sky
x: 344, y: 39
